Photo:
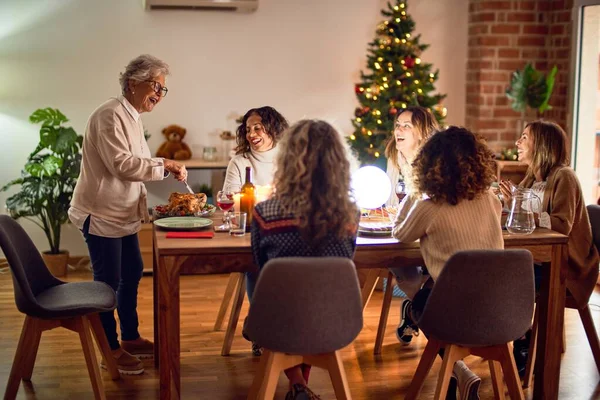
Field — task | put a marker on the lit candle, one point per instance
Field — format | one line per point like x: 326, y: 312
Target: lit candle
x: 263, y: 192
x: 236, y: 201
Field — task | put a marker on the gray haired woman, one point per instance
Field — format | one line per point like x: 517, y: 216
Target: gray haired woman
x: 109, y: 202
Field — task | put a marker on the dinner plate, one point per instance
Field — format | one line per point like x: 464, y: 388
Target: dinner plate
x: 381, y: 233
x: 183, y: 223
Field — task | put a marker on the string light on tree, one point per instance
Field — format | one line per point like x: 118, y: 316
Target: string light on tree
x: 396, y: 77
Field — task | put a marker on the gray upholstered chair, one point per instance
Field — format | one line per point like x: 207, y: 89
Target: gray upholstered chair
x: 304, y: 310
x: 480, y: 303
x: 50, y: 303
x: 584, y: 313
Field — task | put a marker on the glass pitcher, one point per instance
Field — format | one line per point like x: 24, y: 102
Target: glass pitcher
x: 520, y: 217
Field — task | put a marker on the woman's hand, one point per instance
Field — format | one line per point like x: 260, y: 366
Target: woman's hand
x: 177, y: 169
x: 506, y: 189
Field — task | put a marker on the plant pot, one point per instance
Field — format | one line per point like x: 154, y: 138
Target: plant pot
x: 56, y: 263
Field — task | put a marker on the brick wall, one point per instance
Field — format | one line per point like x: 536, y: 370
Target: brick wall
x: 504, y: 35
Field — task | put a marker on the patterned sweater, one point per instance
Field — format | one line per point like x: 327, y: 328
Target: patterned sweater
x: 276, y: 235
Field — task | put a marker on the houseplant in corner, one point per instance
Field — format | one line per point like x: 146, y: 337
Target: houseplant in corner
x: 47, y: 182
x: 530, y: 89
x: 529, y: 93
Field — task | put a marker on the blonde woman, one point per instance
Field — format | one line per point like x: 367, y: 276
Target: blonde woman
x: 543, y: 147
x: 412, y: 128
x: 311, y: 213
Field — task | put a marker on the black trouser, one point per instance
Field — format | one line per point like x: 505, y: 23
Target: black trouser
x: 117, y: 262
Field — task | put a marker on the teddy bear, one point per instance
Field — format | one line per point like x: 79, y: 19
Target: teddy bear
x: 174, y: 148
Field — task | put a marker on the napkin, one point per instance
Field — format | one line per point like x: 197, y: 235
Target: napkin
x: 191, y: 235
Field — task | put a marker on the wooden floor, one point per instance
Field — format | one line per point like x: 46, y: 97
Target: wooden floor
x: 60, y: 367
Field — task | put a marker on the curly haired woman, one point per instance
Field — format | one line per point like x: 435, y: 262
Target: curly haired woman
x: 256, y: 139
x: 412, y: 128
x: 452, y: 210
x: 311, y: 213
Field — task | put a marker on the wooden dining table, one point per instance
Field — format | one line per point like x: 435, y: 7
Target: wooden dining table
x: 226, y: 254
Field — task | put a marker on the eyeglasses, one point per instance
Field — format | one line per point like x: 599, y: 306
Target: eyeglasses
x: 158, y: 88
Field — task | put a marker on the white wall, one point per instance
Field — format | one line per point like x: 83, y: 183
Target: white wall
x: 301, y: 56
x: 588, y: 103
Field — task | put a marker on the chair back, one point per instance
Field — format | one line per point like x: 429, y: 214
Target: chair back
x: 481, y: 298
x: 306, y: 305
x: 29, y: 272
x: 594, y: 214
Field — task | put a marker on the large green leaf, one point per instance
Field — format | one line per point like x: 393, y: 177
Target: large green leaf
x: 48, y: 116
x: 550, y: 87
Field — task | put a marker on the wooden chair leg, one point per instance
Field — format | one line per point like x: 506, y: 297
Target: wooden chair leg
x: 102, y: 341
x: 335, y: 367
x: 234, y: 316
x: 29, y: 361
x: 29, y: 333
x: 497, y: 380
x: 234, y: 277
x: 531, y: 357
x: 369, y: 286
x: 265, y: 381
x: 84, y: 329
x: 427, y: 359
x: 511, y: 376
x: 590, y: 331
x: 452, y: 354
x: 385, y: 310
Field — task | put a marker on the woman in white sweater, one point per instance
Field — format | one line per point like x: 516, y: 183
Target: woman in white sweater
x: 256, y: 139
x: 109, y: 201
x: 451, y: 210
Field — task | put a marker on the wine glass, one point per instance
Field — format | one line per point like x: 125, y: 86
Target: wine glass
x: 225, y: 203
x: 400, y: 190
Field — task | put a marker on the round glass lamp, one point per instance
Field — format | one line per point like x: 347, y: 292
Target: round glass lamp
x: 372, y: 187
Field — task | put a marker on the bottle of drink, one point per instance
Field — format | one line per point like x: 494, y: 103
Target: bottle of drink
x: 248, y: 198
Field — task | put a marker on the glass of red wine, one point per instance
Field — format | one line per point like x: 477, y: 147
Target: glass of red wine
x: 225, y: 203
x: 400, y: 190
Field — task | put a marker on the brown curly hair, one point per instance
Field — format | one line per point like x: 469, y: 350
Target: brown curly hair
x: 312, y: 181
x: 273, y: 122
x: 454, y: 165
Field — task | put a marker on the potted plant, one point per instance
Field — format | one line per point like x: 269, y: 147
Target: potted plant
x: 207, y: 190
x: 530, y: 89
x: 529, y: 92
x: 47, y: 182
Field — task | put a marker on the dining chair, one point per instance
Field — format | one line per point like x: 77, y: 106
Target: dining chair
x: 480, y: 303
x: 49, y: 303
x: 584, y: 312
x: 304, y: 310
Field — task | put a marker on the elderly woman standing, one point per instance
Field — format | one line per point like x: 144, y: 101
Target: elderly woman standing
x: 109, y: 202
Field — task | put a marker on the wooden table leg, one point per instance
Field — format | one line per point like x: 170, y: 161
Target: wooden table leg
x: 155, y: 303
x: 232, y: 283
x: 369, y: 286
x: 169, y: 328
x: 551, y: 305
x: 234, y: 315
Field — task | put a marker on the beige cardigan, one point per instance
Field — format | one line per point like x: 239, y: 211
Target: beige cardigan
x: 116, y: 160
x: 444, y: 229
x: 563, y: 200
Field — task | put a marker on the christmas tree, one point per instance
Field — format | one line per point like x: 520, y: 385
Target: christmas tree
x: 397, y: 78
